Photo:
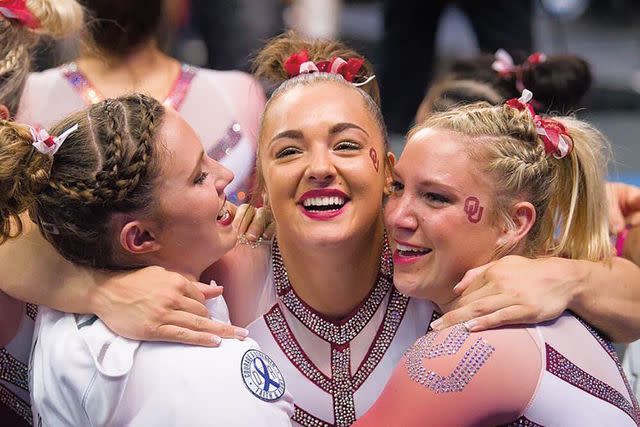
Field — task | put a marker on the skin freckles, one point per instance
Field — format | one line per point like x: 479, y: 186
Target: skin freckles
x: 473, y: 209
x: 374, y: 158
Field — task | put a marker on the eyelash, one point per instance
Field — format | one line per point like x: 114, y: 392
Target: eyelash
x: 435, y: 197
x: 200, y: 179
x: 289, y: 151
x: 347, y: 145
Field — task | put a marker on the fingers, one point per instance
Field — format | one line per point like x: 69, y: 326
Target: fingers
x: 191, y: 306
x: 190, y: 290
x: 203, y: 324
x: 209, y: 291
x: 171, y: 333
x: 472, y: 310
x: 244, y: 217
x: 270, y: 231
x: 512, y: 315
x: 261, y: 220
x: 473, y: 279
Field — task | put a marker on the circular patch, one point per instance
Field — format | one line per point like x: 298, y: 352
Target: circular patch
x: 261, y: 375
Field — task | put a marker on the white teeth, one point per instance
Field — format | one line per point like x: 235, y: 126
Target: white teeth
x: 223, y: 214
x: 405, y: 248
x: 323, y: 201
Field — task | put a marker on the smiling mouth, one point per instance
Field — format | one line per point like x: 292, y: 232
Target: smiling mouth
x: 224, y: 216
x: 405, y: 251
x: 324, y: 204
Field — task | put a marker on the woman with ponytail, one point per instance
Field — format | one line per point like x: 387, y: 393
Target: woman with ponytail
x: 320, y: 298
x: 560, y: 82
x: 512, y: 183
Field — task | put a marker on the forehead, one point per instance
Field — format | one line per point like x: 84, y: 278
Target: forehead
x: 180, y: 143
x: 437, y: 154
x: 317, y: 107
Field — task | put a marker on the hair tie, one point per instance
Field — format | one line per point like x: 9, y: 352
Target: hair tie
x: 506, y: 68
x: 554, y: 135
x: 503, y: 63
x: 18, y: 10
x: 47, y: 144
x: 299, y: 63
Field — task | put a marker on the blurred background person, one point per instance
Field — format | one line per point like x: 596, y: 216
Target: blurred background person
x: 120, y: 53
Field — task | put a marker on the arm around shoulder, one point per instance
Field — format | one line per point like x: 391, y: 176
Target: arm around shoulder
x: 608, y: 296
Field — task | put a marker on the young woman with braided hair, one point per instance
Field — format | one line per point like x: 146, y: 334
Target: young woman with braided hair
x: 126, y: 184
x: 513, y: 183
x: 327, y: 281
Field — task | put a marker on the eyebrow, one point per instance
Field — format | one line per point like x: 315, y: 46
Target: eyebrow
x: 340, y: 127
x: 337, y: 128
x: 426, y: 182
x: 197, y: 167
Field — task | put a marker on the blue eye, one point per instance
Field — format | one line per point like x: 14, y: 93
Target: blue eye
x: 200, y: 179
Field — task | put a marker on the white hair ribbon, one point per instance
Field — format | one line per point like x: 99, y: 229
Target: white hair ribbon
x: 47, y: 144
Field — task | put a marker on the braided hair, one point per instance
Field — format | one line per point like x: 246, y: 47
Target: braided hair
x: 107, y: 166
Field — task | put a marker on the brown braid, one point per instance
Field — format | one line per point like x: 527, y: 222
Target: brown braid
x: 107, y: 166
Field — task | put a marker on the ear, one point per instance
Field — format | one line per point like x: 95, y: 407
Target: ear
x: 4, y: 112
x: 137, y: 239
x: 523, y: 216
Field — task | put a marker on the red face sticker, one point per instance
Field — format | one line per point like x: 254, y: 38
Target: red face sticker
x: 473, y: 209
x: 374, y: 158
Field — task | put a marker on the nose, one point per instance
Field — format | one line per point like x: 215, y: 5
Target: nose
x: 321, y: 168
x: 399, y: 213
x: 223, y: 176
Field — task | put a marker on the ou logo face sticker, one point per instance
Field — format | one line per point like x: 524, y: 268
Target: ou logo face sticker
x: 261, y: 376
x: 473, y: 209
x: 374, y: 158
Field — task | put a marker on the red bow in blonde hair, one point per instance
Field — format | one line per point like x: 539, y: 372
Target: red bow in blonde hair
x: 17, y: 9
x: 554, y: 135
x: 299, y: 63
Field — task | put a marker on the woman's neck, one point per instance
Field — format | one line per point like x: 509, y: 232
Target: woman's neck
x: 334, y: 280
x: 145, y: 69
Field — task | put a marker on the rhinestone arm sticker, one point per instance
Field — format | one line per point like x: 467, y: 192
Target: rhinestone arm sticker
x: 462, y: 374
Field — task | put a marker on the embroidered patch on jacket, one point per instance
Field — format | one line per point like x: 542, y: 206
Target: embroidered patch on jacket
x: 261, y: 376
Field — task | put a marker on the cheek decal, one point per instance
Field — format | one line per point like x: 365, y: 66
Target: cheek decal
x: 374, y: 158
x: 473, y: 209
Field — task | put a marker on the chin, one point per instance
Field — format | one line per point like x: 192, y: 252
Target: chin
x: 409, y: 285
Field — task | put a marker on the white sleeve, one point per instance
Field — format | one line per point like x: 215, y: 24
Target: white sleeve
x: 78, y: 375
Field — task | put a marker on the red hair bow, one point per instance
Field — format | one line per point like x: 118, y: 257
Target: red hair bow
x: 299, y: 63
x: 554, y: 135
x: 17, y: 9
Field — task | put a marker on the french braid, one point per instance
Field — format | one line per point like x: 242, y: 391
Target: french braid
x: 107, y: 166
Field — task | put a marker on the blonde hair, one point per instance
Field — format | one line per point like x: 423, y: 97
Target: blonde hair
x: 568, y: 194
x: 57, y: 18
